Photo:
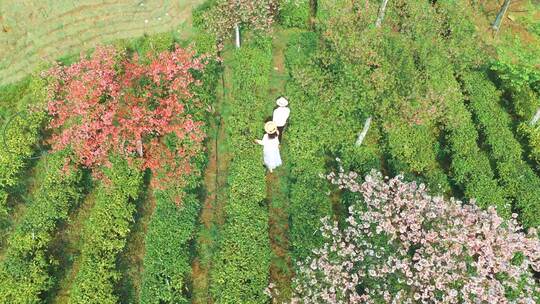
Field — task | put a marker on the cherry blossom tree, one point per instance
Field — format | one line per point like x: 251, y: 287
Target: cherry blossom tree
x: 401, y: 245
x: 110, y: 103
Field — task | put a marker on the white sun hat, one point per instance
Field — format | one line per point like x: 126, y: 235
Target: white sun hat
x: 270, y: 127
x: 282, y: 102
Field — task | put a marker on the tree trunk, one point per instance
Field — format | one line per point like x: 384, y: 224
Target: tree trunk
x: 536, y: 117
x: 237, y: 35
x: 140, y: 148
x: 382, y: 10
x: 312, y: 13
x: 363, y: 134
x: 498, y: 20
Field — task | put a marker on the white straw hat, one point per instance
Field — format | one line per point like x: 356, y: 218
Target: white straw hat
x: 282, y: 102
x: 270, y: 127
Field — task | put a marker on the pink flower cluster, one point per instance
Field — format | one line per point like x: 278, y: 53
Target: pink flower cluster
x: 402, y: 245
x: 111, y: 103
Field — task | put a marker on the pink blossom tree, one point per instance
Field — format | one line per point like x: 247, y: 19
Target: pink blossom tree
x: 111, y: 103
x: 402, y: 245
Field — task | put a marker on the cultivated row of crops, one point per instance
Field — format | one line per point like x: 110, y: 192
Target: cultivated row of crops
x: 442, y: 113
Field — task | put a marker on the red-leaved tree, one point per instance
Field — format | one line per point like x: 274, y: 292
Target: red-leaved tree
x: 111, y: 103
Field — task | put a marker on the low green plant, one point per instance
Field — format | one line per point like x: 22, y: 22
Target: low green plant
x: 20, y: 131
x: 517, y: 178
x: 25, y: 271
x: 105, y: 234
x: 239, y: 272
x: 294, y: 13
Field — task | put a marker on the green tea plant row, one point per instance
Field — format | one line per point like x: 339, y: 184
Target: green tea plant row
x: 19, y: 132
x: 522, y: 184
x: 470, y: 167
x: 525, y: 103
x: 25, y: 271
x: 309, y: 201
x: 241, y: 264
x: 171, y: 228
x: 294, y: 13
x: 167, y: 258
x: 104, y: 236
x: 409, y: 133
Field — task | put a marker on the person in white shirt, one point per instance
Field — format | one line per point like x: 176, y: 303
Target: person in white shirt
x: 281, y: 115
x: 270, y: 142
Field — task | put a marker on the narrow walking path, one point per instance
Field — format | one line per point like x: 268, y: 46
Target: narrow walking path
x: 281, y: 271
x: 212, y: 213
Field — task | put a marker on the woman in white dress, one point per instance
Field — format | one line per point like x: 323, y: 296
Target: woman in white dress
x: 270, y: 142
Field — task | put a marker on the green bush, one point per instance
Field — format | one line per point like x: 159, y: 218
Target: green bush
x: 105, y: 233
x: 171, y: 228
x: 167, y: 256
x: 518, y: 179
x: 470, y: 167
x: 239, y: 273
x: 26, y: 266
x: 19, y: 131
x: 306, y: 141
x: 525, y: 103
x: 532, y: 136
x: 294, y: 13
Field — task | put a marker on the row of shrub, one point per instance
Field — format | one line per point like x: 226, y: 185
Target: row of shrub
x: 239, y: 272
x: 26, y: 266
x: 518, y: 179
x: 167, y: 259
x: 105, y: 233
x: 167, y: 254
x: 19, y: 133
x: 306, y: 138
x: 525, y: 102
x: 470, y: 167
x: 295, y: 13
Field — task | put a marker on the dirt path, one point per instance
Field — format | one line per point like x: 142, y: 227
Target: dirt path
x: 212, y: 214
x: 281, y: 271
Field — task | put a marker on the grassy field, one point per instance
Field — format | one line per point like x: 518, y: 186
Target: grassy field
x: 35, y: 31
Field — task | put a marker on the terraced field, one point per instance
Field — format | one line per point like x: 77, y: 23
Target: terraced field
x: 36, y: 31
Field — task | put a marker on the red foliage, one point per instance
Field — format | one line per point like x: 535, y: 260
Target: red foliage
x: 110, y: 103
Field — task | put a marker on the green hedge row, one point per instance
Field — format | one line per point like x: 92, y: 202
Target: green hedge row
x: 167, y: 258
x: 407, y: 111
x: 518, y: 179
x: 19, y: 132
x: 294, y: 13
x: 306, y: 139
x: 26, y: 265
x: 412, y: 150
x: 241, y: 264
x: 470, y: 167
x: 525, y: 103
x: 104, y: 236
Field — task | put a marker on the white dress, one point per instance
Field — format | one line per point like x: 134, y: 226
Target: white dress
x: 272, y: 158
